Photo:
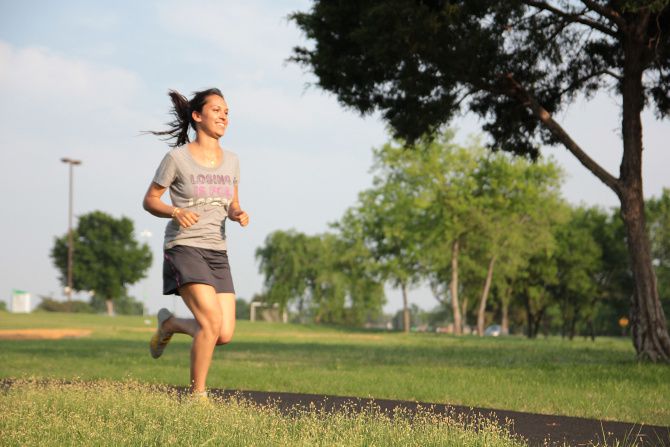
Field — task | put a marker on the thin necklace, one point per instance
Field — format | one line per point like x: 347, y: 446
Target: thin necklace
x: 212, y: 160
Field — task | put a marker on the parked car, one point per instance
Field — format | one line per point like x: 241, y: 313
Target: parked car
x: 494, y: 330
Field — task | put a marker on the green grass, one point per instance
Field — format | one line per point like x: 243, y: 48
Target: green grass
x: 112, y: 414
x: 553, y: 376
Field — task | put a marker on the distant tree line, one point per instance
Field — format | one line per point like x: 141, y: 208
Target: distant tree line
x: 123, y: 305
x: 488, y: 232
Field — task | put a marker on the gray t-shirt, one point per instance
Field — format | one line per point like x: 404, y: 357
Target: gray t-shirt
x: 206, y: 191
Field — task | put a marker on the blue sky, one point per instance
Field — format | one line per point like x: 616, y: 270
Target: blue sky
x: 83, y: 79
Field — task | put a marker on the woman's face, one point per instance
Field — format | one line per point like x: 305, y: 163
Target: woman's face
x: 213, y: 120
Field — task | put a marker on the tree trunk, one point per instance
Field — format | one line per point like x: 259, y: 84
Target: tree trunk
x: 464, y: 314
x: 405, y: 309
x: 534, y: 319
x: 454, y: 288
x: 504, y: 323
x: 573, y: 327
x: 481, y: 313
x: 109, y: 303
x: 648, y: 323
x: 647, y: 320
x: 504, y: 302
x: 592, y: 329
x: 529, y: 318
x: 538, y: 321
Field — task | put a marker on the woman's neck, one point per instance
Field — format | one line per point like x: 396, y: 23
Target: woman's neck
x: 206, y: 143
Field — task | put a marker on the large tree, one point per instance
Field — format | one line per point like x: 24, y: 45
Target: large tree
x: 383, y: 222
x: 515, y: 64
x: 107, y: 257
x: 519, y: 201
x: 285, y: 261
x: 440, y: 210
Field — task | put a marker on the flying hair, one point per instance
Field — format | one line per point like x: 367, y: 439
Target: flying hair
x: 182, y: 114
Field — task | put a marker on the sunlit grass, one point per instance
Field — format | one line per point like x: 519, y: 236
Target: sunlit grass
x: 552, y: 376
x: 112, y: 414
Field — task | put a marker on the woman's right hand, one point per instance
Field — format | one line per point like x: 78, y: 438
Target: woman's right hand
x: 185, y: 218
x: 153, y: 203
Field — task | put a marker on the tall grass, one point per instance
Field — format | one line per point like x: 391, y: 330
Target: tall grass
x: 113, y: 414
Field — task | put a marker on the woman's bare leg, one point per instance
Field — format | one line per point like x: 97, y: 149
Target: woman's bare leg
x: 227, y: 303
x: 174, y: 325
x: 202, y: 301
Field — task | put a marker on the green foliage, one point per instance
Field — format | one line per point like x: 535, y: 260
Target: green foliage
x: 416, y: 62
x: 123, y: 305
x: 3, y: 306
x: 324, y: 276
x: 76, y: 306
x: 615, y: 280
x: 241, y: 309
x: 555, y: 268
x: 578, y: 262
x: 425, y: 199
x: 107, y: 257
x: 532, y: 288
x: 658, y: 220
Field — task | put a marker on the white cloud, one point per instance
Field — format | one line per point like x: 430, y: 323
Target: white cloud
x: 37, y: 82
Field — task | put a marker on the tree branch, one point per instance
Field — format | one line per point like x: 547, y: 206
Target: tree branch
x: 606, y: 12
x: 463, y: 98
x: 436, y: 293
x: 616, y: 76
x: 517, y: 91
x: 571, y: 17
x: 582, y: 80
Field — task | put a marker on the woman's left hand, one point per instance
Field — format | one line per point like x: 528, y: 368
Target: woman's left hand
x: 240, y: 216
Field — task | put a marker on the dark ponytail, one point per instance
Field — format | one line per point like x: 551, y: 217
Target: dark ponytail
x: 182, y: 113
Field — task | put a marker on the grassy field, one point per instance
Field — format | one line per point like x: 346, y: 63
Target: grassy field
x: 553, y: 376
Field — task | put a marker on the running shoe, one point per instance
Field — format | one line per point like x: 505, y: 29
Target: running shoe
x: 160, y: 339
x: 200, y: 398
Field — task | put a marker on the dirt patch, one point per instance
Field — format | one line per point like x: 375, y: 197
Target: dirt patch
x: 42, y: 334
x: 140, y: 329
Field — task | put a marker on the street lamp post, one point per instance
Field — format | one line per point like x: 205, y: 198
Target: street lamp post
x: 70, y: 242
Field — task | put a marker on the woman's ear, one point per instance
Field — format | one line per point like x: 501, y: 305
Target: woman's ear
x: 197, y: 117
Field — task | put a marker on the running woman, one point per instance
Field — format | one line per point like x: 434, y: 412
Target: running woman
x: 203, y: 180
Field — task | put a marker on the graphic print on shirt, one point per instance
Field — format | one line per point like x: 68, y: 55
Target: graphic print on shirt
x: 212, y: 189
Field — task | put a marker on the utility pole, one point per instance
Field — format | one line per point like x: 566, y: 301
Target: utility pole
x: 70, y: 241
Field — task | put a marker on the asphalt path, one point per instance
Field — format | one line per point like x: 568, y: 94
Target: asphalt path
x: 536, y: 429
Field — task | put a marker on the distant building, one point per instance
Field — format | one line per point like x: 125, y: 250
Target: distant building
x: 20, y: 302
x: 267, y: 312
